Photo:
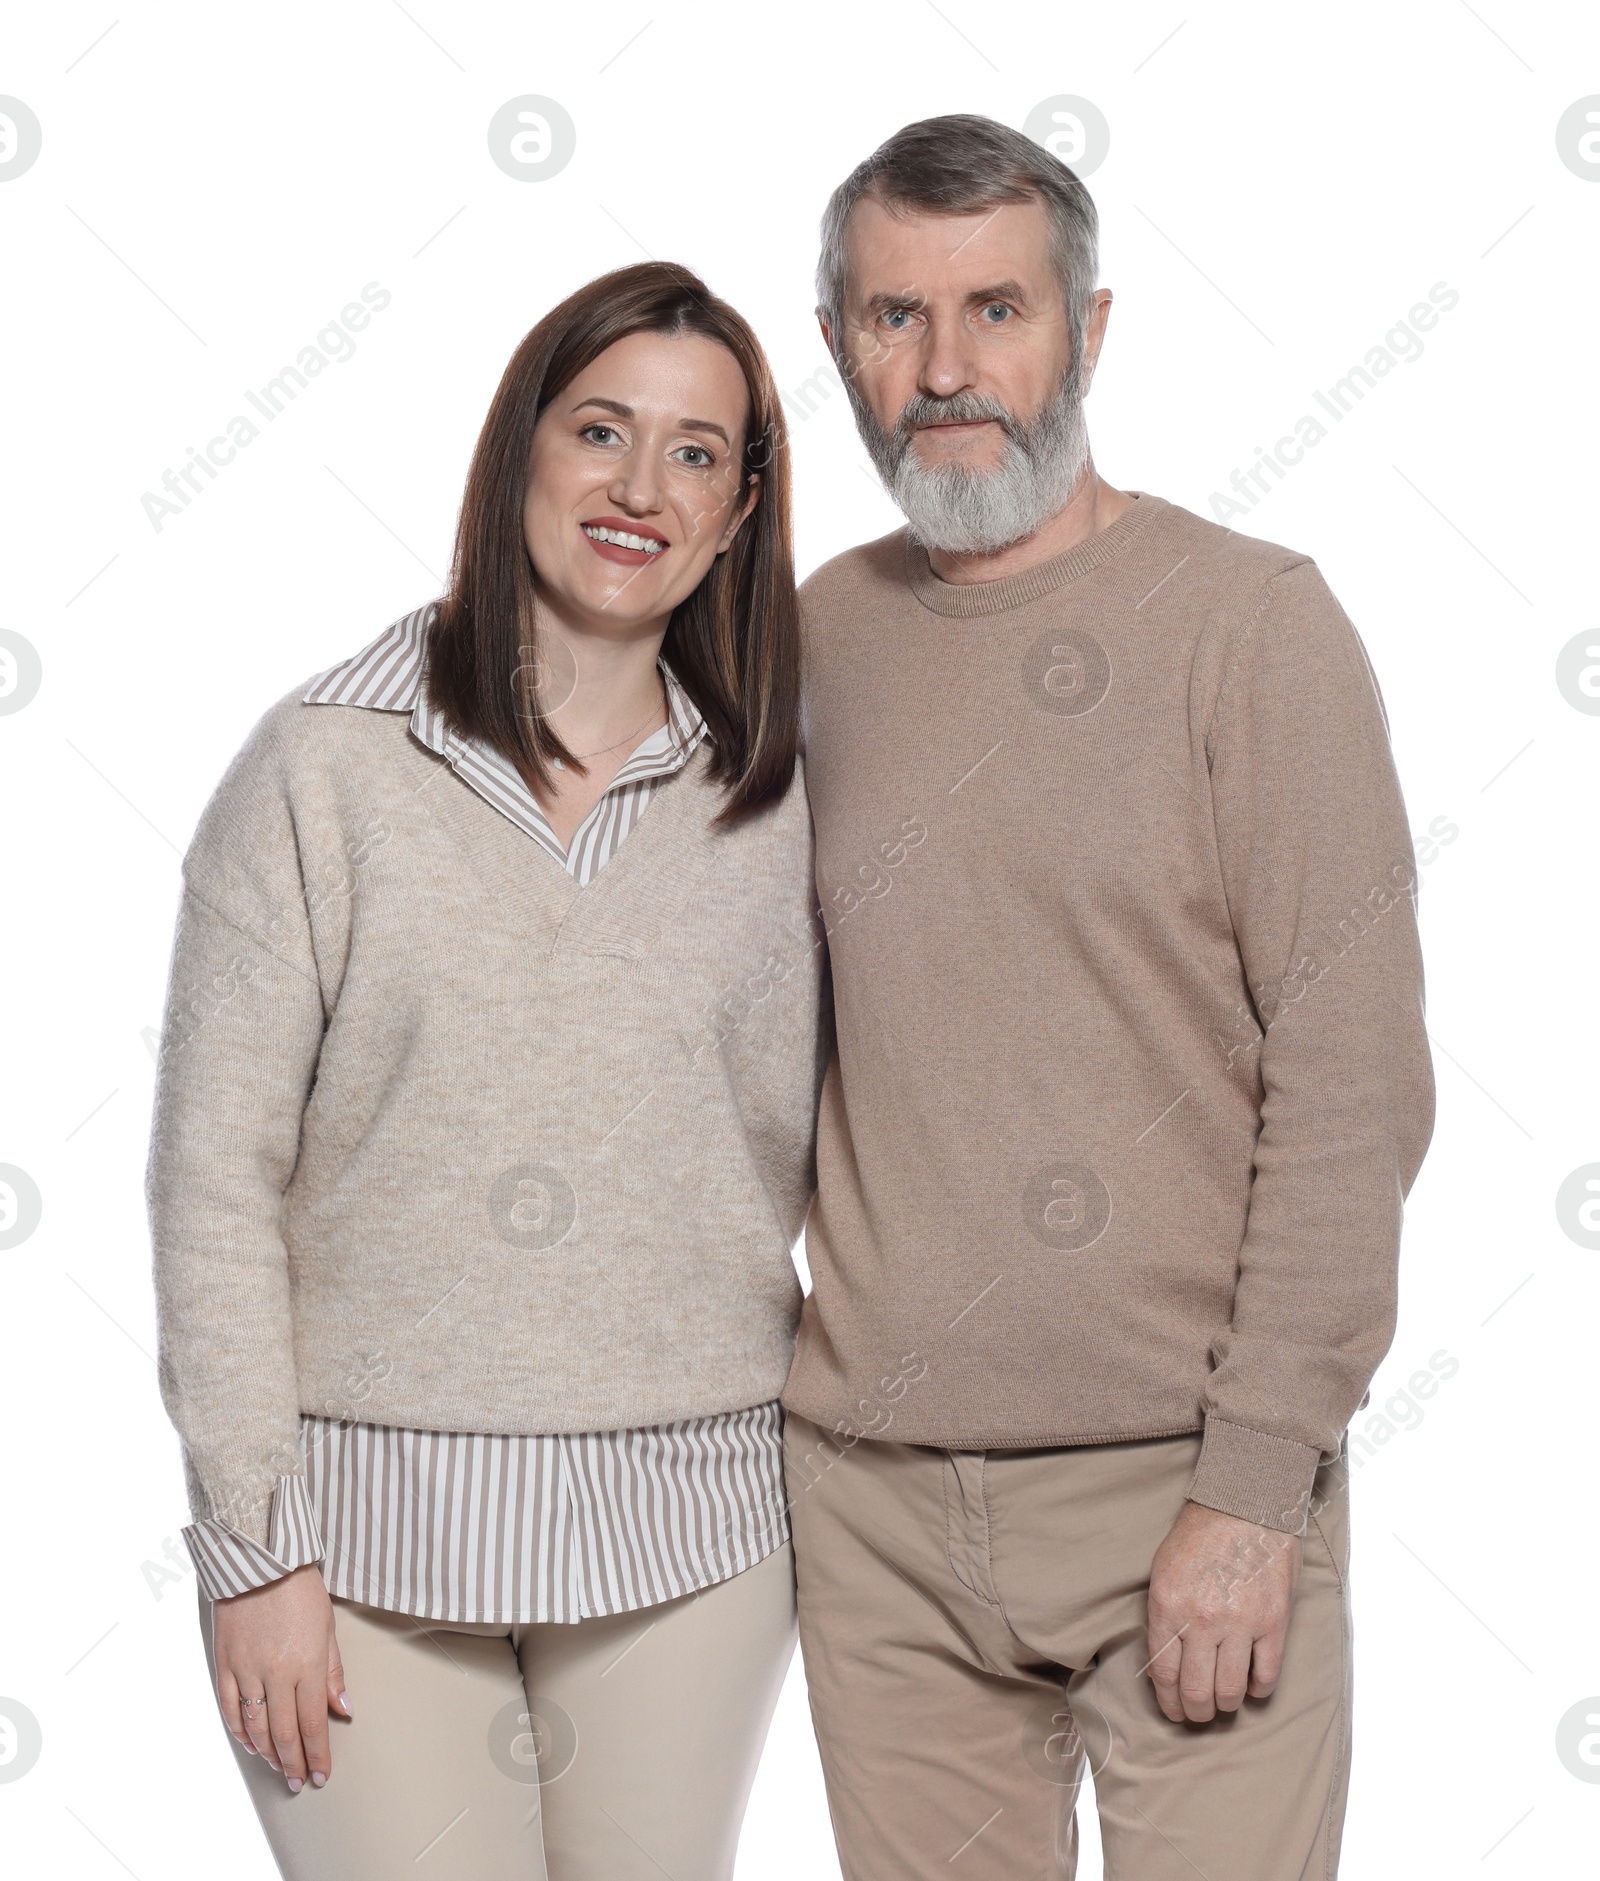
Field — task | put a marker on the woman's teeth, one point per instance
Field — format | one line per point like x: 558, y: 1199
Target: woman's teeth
x: 622, y: 539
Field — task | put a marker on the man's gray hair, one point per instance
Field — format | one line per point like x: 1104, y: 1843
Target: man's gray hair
x: 962, y: 165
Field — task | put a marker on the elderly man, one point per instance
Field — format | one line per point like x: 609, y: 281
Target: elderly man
x: 1130, y: 1082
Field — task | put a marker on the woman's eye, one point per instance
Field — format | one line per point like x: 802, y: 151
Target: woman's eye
x: 598, y: 434
x: 696, y: 456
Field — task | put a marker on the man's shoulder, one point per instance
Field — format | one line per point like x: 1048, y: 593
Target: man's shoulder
x: 1268, y: 610
x: 1243, y: 563
x: 868, y: 568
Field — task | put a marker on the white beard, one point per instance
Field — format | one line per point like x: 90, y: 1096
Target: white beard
x: 973, y: 512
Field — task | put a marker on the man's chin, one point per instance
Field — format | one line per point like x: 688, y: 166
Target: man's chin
x: 977, y: 451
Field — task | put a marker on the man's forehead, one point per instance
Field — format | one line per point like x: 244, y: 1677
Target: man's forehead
x: 903, y: 250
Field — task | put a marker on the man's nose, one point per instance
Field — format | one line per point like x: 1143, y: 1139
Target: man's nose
x: 949, y: 363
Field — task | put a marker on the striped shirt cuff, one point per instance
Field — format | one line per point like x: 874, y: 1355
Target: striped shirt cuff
x: 229, y: 1562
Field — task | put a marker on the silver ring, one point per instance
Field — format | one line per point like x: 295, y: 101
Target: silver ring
x: 252, y: 1701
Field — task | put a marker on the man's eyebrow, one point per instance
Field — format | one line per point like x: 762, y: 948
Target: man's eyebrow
x: 912, y: 300
x: 1002, y: 290
x: 684, y: 424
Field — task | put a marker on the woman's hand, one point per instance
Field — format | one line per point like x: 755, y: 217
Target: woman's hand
x: 278, y: 1673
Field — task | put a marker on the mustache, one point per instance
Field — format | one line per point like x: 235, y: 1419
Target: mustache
x: 960, y: 408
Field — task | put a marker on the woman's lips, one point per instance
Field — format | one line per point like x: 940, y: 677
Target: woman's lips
x: 622, y: 552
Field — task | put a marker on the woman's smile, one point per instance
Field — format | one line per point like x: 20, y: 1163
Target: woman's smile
x: 618, y: 540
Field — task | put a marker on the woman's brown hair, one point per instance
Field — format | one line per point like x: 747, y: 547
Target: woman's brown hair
x: 734, y: 644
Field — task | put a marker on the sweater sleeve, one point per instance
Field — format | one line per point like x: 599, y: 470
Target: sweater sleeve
x: 772, y: 1029
x: 1317, y: 866
x: 239, y: 1048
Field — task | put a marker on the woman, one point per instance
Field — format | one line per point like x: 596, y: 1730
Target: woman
x: 484, y: 1129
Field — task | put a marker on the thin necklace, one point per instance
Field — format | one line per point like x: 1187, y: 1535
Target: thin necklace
x: 583, y: 756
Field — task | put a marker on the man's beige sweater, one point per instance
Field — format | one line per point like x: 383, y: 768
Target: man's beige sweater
x: 1131, y: 1075
x: 445, y: 1141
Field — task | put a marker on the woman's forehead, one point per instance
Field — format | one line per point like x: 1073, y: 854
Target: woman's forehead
x: 666, y: 374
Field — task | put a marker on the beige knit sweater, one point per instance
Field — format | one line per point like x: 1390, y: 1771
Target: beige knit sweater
x: 445, y: 1141
x: 1131, y: 1073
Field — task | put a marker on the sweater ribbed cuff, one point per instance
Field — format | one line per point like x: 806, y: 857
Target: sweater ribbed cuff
x: 228, y: 1562
x: 1259, y: 1478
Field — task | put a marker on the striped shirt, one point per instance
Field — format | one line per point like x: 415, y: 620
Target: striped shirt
x: 388, y: 676
x: 488, y: 1529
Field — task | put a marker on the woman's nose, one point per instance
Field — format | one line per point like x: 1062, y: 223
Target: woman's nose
x: 637, y: 486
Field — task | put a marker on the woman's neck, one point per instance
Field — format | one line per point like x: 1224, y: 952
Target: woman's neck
x: 600, y: 689
x: 609, y: 699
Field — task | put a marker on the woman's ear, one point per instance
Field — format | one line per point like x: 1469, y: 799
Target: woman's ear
x: 751, y: 496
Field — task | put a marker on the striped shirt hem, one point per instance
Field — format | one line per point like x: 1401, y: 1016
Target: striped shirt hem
x: 476, y: 1529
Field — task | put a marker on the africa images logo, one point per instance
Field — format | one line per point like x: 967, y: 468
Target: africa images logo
x: 532, y: 1206
x: 532, y: 138
x: 21, y: 139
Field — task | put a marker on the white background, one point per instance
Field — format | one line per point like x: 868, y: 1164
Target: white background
x: 1283, y: 184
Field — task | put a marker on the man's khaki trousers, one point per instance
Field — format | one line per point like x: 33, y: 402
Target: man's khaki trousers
x: 973, y: 1626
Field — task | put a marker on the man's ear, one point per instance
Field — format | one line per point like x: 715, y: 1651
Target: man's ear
x: 736, y: 521
x: 827, y: 331
x: 1094, y: 334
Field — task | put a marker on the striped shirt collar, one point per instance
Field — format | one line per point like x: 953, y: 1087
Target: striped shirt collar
x: 390, y: 675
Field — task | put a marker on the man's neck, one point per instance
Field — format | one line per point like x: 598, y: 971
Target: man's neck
x: 1093, y: 506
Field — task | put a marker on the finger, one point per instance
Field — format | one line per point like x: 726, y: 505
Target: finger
x: 257, y: 1726
x: 338, y: 1697
x: 1266, y: 1662
x: 228, y: 1705
x: 1233, y: 1671
x: 1197, y: 1682
x: 284, y: 1723
x: 1165, y: 1668
x: 311, y: 1703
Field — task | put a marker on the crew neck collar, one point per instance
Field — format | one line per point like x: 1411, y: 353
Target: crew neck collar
x: 970, y: 600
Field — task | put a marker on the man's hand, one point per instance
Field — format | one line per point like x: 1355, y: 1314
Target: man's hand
x: 278, y: 1674
x: 1220, y: 1593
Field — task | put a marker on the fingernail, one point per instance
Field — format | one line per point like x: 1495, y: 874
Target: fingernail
x: 344, y: 1700
x: 294, y: 1783
x: 318, y: 1778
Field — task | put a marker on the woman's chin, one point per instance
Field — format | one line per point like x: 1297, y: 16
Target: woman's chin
x: 614, y: 596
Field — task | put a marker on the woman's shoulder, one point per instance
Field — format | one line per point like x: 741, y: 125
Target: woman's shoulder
x: 295, y: 742
x: 304, y: 768
x: 360, y: 704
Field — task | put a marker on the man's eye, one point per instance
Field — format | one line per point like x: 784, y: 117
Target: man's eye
x: 995, y: 312
x: 898, y: 318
